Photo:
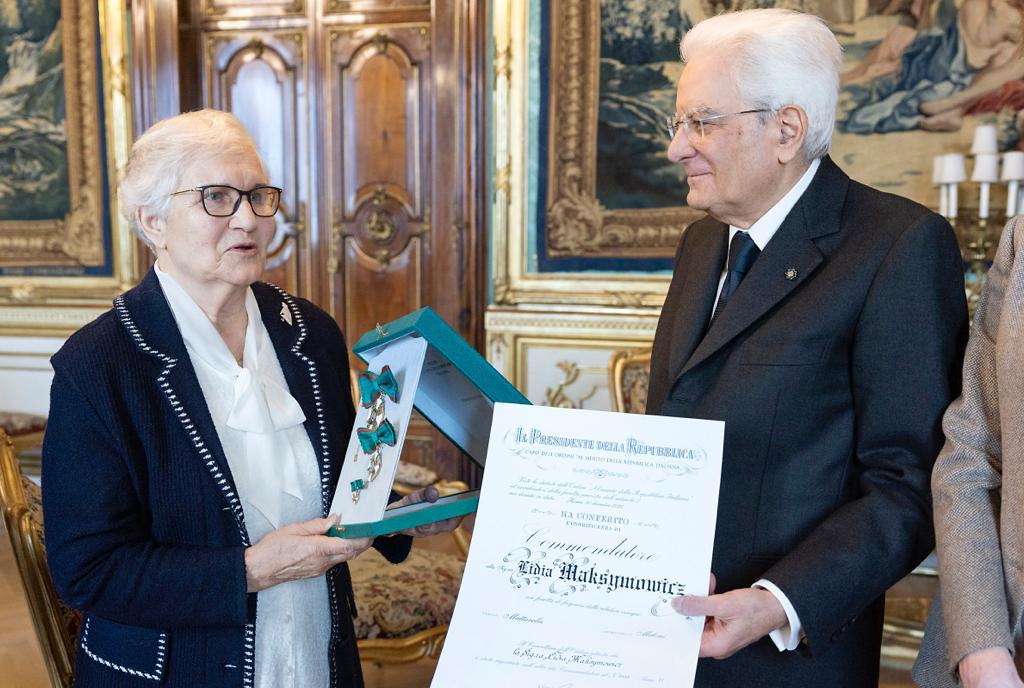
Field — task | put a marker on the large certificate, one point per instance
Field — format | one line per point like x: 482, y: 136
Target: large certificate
x: 589, y: 523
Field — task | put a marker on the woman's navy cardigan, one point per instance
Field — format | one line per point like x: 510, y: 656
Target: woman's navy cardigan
x: 144, y: 529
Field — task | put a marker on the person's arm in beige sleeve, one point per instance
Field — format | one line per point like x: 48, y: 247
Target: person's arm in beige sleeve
x: 968, y: 478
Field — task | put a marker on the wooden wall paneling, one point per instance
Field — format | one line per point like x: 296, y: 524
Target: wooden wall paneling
x: 460, y: 89
x: 376, y: 162
x: 259, y: 76
x: 464, y: 57
x: 154, y: 55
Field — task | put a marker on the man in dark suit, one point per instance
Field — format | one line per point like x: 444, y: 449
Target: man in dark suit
x: 824, y: 322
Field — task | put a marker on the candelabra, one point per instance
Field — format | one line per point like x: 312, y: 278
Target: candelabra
x: 977, y: 235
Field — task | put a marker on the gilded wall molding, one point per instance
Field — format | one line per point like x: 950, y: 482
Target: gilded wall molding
x: 66, y: 297
x: 570, y: 349
x: 599, y: 323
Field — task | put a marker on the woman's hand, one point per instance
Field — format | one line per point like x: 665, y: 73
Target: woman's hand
x: 297, y: 551
x: 989, y: 668
x: 427, y: 494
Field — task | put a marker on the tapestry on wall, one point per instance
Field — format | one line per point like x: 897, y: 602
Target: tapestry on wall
x: 919, y: 75
x: 53, y: 218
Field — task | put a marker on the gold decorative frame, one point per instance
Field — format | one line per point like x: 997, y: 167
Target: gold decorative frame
x: 60, y: 304
x: 577, y: 224
x: 514, y: 282
x: 511, y: 331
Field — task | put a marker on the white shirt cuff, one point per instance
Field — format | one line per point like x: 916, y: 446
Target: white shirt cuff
x: 785, y: 637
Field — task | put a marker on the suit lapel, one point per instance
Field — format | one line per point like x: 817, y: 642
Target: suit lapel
x: 789, y: 259
x: 706, y: 249
x: 288, y: 332
x: 146, y: 315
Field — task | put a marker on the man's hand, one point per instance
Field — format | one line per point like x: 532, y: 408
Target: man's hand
x: 735, y: 619
x: 427, y: 494
x: 297, y: 551
x: 989, y: 668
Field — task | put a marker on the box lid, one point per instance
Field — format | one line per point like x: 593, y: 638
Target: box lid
x: 439, y: 401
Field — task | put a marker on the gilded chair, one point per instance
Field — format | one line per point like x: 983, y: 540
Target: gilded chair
x: 906, y: 612
x: 56, y: 625
x: 25, y: 431
x: 629, y: 373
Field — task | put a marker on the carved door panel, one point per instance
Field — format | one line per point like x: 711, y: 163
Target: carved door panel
x: 376, y: 159
x: 259, y: 76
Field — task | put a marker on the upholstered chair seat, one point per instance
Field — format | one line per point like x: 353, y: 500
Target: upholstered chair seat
x: 396, y: 601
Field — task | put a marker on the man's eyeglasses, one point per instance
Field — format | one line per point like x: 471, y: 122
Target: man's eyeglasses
x: 221, y: 200
x: 695, y: 127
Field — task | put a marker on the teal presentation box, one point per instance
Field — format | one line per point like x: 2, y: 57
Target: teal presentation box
x: 456, y: 394
x: 403, y: 517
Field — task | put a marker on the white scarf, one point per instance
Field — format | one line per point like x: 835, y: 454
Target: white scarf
x: 262, y: 407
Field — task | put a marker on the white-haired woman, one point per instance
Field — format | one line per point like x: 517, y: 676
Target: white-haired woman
x: 196, y: 434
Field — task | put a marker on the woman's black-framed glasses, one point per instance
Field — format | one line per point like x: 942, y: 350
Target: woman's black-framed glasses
x: 221, y: 200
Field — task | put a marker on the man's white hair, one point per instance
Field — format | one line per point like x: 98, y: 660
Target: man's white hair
x: 777, y: 57
x: 165, y: 153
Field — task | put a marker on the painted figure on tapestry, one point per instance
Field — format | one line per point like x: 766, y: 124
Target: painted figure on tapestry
x: 937, y: 65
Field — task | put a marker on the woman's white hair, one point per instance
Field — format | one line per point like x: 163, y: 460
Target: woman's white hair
x: 778, y: 57
x: 166, y: 152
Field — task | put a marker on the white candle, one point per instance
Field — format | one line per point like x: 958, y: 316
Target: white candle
x: 985, y: 140
x: 983, y: 202
x: 1013, y: 173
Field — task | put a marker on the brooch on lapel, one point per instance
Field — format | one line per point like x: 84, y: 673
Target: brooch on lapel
x: 286, y: 314
x: 790, y: 274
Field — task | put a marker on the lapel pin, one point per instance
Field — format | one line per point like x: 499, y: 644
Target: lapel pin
x: 790, y: 274
x: 286, y: 314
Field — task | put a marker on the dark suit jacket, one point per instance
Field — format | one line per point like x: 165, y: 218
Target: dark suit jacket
x: 831, y: 382
x: 144, y: 528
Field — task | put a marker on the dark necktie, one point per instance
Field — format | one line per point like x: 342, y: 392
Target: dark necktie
x: 742, y: 254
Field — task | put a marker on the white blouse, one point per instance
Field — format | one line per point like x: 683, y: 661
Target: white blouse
x: 274, y: 467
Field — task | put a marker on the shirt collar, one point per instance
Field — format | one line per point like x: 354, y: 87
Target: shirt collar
x: 200, y: 335
x: 764, y: 229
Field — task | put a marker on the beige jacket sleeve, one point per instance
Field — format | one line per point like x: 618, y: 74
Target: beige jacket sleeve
x: 968, y: 478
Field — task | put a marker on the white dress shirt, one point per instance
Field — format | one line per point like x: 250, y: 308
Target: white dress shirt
x: 761, y: 232
x: 274, y: 467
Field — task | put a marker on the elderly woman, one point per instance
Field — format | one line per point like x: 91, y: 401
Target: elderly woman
x: 196, y: 435
x: 974, y: 633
